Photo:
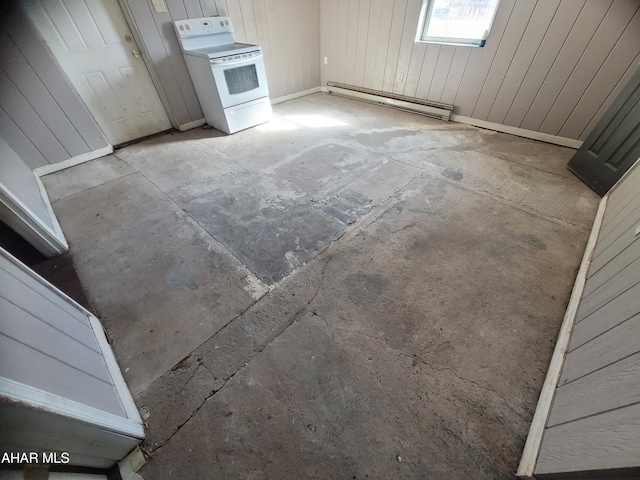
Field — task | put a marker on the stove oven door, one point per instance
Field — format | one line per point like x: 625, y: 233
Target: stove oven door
x: 240, y: 79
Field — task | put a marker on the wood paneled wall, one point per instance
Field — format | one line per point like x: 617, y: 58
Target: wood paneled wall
x: 552, y: 66
x: 287, y: 30
x: 48, y: 343
x: 41, y: 116
x: 595, y: 418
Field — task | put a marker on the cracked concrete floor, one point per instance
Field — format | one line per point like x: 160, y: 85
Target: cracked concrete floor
x: 349, y: 291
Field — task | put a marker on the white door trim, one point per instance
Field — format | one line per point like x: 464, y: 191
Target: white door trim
x: 72, y: 162
x: 49, y: 242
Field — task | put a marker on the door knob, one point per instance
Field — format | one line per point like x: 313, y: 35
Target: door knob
x: 135, y: 53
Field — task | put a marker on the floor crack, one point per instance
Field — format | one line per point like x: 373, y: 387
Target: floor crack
x: 297, y: 316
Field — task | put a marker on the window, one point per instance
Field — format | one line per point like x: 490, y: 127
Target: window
x: 456, y: 22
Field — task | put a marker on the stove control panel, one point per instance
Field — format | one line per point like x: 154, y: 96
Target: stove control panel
x: 196, y: 27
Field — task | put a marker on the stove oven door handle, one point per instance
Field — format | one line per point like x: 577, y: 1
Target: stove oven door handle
x: 251, y: 57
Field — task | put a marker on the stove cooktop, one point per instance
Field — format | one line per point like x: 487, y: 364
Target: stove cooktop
x: 219, y: 51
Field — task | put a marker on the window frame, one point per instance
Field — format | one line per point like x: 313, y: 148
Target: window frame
x: 423, y: 23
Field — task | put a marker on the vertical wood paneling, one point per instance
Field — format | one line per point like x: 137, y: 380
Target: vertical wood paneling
x: 384, y: 29
x: 413, y: 71
x: 372, y: 41
x: 548, y: 65
x: 290, y: 23
x: 221, y: 6
x: 529, y: 46
x: 406, y: 45
x: 555, y: 37
x: 313, y: 44
x: 303, y: 32
x: 600, y: 47
x: 162, y: 22
x: 481, y: 60
x: 505, y: 53
x: 441, y: 72
x: 611, y: 96
x: 570, y: 54
x: 41, y: 116
x: 456, y: 71
x: 361, y: 47
x: 614, y: 66
x: 264, y: 40
x: 343, y: 32
x: 194, y: 9
x: 19, y: 142
x: 209, y: 8
x: 428, y: 70
x: 328, y: 39
x: 598, y: 391
x: 352, y: 40
x: 280, y: 53
x: 34, y: 91
x: 27, y: 119
x: 235, y: 12
x: 177, y: 9
x: 249, y: 21
x: 395, y: 42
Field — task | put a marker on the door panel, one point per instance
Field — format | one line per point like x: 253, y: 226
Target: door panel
x: 60, y: 387
x: 92, y: 42
x: 614, y: 144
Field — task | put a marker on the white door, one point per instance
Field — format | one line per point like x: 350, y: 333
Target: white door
x: 92, y: 42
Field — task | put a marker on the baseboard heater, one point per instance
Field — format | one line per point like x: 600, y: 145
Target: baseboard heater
x: 441, y: 111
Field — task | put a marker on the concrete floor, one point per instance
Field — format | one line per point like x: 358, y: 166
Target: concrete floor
x: 350, y: 291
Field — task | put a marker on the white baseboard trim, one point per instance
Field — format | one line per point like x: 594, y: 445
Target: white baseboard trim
x: 499, y: 127
x: 543, y: 409
x: 190, y: 125
x: 520, y: 132
x: 72, y: 162
x: 303, y: 93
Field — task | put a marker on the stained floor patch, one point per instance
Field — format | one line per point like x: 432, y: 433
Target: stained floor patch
x: 273, y: 236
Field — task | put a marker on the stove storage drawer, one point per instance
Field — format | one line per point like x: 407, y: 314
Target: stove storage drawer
x: 248, y: 114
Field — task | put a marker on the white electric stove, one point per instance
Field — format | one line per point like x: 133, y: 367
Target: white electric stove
x: 229, y: 77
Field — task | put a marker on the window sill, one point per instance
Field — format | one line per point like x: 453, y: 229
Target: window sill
x: 454, y: 44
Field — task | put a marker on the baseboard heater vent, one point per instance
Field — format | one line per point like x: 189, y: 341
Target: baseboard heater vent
x: 432, y: 109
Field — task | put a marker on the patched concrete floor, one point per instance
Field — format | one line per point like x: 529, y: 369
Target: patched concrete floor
x: 350, y: 291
